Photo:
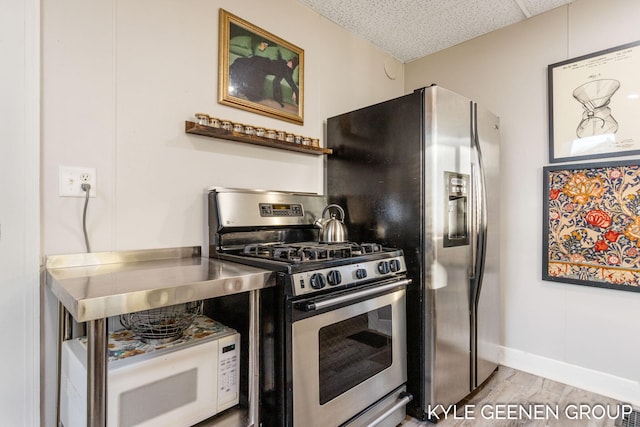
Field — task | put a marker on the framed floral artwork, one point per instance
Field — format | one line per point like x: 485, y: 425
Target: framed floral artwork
x: 591, y: 233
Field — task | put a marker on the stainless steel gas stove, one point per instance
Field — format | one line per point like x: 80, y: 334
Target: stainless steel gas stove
x: 333, y: 351
x: 322, y: 267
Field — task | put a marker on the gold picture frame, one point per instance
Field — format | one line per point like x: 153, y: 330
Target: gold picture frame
x: 259, y: 71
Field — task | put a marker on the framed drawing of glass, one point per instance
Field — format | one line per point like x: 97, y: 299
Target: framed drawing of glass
x: 594, y: 105
x: 259, y: 71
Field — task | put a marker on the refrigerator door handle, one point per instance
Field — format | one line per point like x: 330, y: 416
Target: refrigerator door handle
x: 473, y: 220
x: 480, y: 210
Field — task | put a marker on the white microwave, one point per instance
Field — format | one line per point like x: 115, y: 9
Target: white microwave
x: 176, y: 384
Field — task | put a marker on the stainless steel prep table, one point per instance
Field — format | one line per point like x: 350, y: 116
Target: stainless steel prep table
x: 91, y: 287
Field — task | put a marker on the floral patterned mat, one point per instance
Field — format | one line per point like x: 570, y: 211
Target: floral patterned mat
x: 123, y: 343
x: 594, y: 226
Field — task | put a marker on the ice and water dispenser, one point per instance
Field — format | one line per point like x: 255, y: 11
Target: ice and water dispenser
x: 456, y: 227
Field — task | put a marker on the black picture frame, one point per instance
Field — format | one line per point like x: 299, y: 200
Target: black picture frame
x: 594, y: 105
x: 591, y: 224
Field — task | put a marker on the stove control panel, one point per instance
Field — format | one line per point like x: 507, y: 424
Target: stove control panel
x: 280, y: 209
x: 344, y: 275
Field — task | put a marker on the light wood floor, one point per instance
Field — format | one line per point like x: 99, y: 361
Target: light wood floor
x: 510, y: 389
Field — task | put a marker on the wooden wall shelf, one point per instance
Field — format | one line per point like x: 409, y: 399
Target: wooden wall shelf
x: 196, y: 129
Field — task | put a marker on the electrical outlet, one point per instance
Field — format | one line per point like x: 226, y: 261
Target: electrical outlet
x: 71, y: 179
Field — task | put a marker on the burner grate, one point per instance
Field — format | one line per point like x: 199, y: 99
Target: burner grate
x: 369, y: 248
x: 314, y: 253
x: 309, y: 251
x: 286, y: 253
x: 258, y: 249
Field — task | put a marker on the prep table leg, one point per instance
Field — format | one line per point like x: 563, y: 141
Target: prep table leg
x: 97, y: 373
x: 254, y: 357
x: 64, y: 333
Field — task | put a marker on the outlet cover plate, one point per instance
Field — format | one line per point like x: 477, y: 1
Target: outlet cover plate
x: 71, y: 178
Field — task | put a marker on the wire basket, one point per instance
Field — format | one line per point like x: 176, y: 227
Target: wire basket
x: 164, y: 324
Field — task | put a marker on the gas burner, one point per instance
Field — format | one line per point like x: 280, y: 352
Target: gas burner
x: 287, y: 253
x: 314, y: 253
x: 258, y: 249
x: 369, y: 248
x: 336, y: 251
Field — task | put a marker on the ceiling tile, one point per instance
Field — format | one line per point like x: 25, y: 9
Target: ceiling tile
x: 411, y: 29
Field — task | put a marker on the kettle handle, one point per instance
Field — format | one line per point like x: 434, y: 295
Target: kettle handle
x: 334, y: 206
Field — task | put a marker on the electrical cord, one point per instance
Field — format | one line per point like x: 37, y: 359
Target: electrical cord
x: 86, y: 188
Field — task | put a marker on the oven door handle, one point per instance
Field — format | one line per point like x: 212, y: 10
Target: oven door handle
x: 404, y: 397
x: 319, y: 305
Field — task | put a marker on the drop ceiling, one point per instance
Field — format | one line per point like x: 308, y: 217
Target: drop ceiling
x: 411, y: 29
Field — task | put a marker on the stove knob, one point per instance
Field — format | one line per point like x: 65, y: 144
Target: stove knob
x: 361, y: 273
x: 383, y: 267
x: 394, y: 265
x: 317, y: 281
x: 334, y: 277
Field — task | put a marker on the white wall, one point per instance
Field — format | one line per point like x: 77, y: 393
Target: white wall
x: 576, y: 334
x: 19, y: 214
x: 119, y: 80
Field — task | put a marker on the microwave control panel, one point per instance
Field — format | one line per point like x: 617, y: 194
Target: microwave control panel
x: 228, y: 371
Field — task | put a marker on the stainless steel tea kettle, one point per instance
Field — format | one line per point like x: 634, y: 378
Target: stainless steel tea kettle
x: 333, y: 229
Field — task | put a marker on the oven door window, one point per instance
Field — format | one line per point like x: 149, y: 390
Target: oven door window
x: 353, y: 350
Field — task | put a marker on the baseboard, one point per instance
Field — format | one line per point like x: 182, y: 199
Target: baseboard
x: 622, y: 389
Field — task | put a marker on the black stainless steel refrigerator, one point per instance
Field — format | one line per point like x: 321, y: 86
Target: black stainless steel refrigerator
x: 421, y: 173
